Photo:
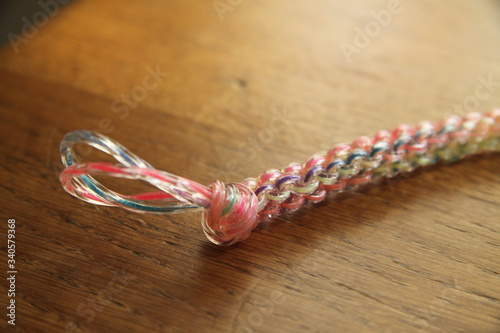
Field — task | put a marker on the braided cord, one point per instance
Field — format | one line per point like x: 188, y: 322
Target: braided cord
x: 231, y: 211
x: 386, y: 154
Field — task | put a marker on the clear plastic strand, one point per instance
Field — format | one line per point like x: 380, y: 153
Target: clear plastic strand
x: 231, y: 211
x: 181, y: 193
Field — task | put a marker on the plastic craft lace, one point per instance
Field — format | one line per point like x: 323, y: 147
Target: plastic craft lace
x: 231, y: 211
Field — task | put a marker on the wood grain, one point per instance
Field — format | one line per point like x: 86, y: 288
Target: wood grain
x: 414, y: 254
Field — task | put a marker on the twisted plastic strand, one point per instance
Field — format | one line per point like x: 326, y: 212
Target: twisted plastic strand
x: 231, y: 211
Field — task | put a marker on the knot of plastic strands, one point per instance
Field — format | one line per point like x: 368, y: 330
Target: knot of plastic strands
x: 232, y: 214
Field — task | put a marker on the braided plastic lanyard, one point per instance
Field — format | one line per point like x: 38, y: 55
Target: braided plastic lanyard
x: 231, y: 211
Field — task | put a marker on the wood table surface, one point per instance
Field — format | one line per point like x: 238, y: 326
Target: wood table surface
x: 224, y: 90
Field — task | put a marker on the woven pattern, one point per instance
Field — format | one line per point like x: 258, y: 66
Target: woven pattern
x: 386, y: 154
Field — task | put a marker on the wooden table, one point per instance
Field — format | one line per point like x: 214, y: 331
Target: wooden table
x: 193, y: 87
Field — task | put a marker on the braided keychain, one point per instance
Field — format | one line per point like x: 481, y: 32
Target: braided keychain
x: 231, y: 211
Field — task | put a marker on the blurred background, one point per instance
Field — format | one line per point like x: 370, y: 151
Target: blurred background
x: 12, y: 13
x: 224, y: 89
